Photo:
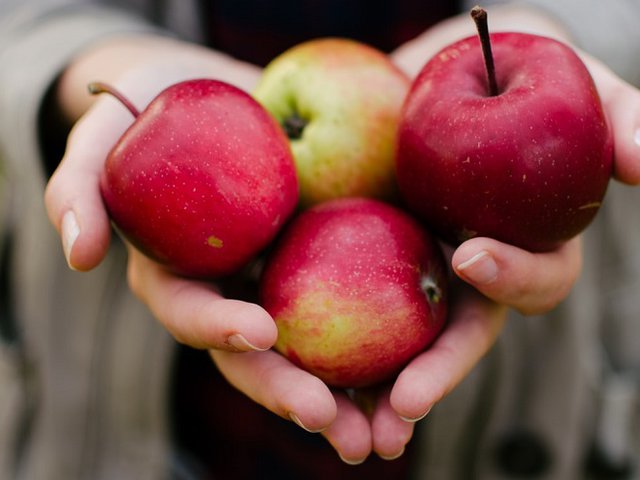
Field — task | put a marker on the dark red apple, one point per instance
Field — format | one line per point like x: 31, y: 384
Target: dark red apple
x: 527, y: 164
x: 357, y: 288
x: 203, y: 179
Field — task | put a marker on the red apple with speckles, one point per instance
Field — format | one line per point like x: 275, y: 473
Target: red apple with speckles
x: 203, y: 179
x: 527, y: 164
x: 357, y: 288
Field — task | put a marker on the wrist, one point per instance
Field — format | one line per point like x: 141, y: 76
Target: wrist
x: 142, y: 66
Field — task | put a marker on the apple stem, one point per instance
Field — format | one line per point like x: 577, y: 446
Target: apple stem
x: 96, y: 88
x: 479, y: 16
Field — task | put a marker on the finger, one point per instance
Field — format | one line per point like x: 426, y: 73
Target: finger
x: 195, y: 313
x: 72, y: 197
x: 475, y: 325
x: 531, y: 283
x: 272, y: 381
x: 621, y: 102
x: 350, y: 432
x: 390, y: 433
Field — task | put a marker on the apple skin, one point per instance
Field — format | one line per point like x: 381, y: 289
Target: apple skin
x: 349, y: 95
x: 529, y: 167
x: 357, y: 288
x: 202, y: 181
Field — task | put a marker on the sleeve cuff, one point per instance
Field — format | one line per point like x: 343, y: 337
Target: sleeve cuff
x: 35, y: 46
x: 607, y: 30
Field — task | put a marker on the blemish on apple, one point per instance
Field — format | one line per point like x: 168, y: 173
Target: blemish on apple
x: 215, y: 242
x: 590, y: 205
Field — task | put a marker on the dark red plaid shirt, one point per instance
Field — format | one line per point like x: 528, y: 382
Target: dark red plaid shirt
x: 218, y: 432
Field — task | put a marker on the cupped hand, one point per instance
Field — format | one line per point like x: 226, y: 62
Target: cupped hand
x: 378, y: 419
x: 194, y: 312
x: 497, y: 276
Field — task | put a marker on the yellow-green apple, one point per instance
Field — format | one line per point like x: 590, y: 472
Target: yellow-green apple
x: 339, y: 101
x: 202, y: 180
x: 357, y: 288
x: 516, y: 148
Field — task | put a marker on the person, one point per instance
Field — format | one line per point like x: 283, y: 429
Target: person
x: 91, y: 378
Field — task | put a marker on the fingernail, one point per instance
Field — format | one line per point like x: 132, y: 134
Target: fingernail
x: 357, y: 461
x: 392, y: 457
x: 480, y: 269
x: 239, y: 342
x: 70, y: 232
x: 416, y: 419
x: 636, y: 137
x: 295, y: 419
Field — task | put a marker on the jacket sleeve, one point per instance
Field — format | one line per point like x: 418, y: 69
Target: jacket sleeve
x: 37, y: 40
x: 607, y: 30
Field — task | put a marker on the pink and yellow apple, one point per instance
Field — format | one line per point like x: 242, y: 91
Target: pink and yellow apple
x: 339, y: 102
x: 357, y: 288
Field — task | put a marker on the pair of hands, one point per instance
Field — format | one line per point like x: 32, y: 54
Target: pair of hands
x: 491, y: 277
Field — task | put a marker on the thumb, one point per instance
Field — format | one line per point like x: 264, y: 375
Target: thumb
x: 621, y: 102
x: 532, y: 283
x: 72, y: 196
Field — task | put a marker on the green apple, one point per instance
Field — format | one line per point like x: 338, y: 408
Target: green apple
x: 339, y: 102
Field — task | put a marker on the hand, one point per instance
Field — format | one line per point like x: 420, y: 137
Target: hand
x: 530, y: 283
x: 194, y: 312
x: 200, y: 317
x: 355, y: 424
x: 379, y: 419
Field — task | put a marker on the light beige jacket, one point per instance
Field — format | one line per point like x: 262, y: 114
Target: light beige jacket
x: 84, y: 369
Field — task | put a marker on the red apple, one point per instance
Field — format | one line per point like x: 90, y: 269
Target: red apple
x: 528, y: 164
x: 203, y: 179
x: 357, y: 288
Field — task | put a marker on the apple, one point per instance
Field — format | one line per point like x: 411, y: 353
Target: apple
x: 203, y: 179
x: 339, y: 101
x: 516, y: 148
x: 357, y: 288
